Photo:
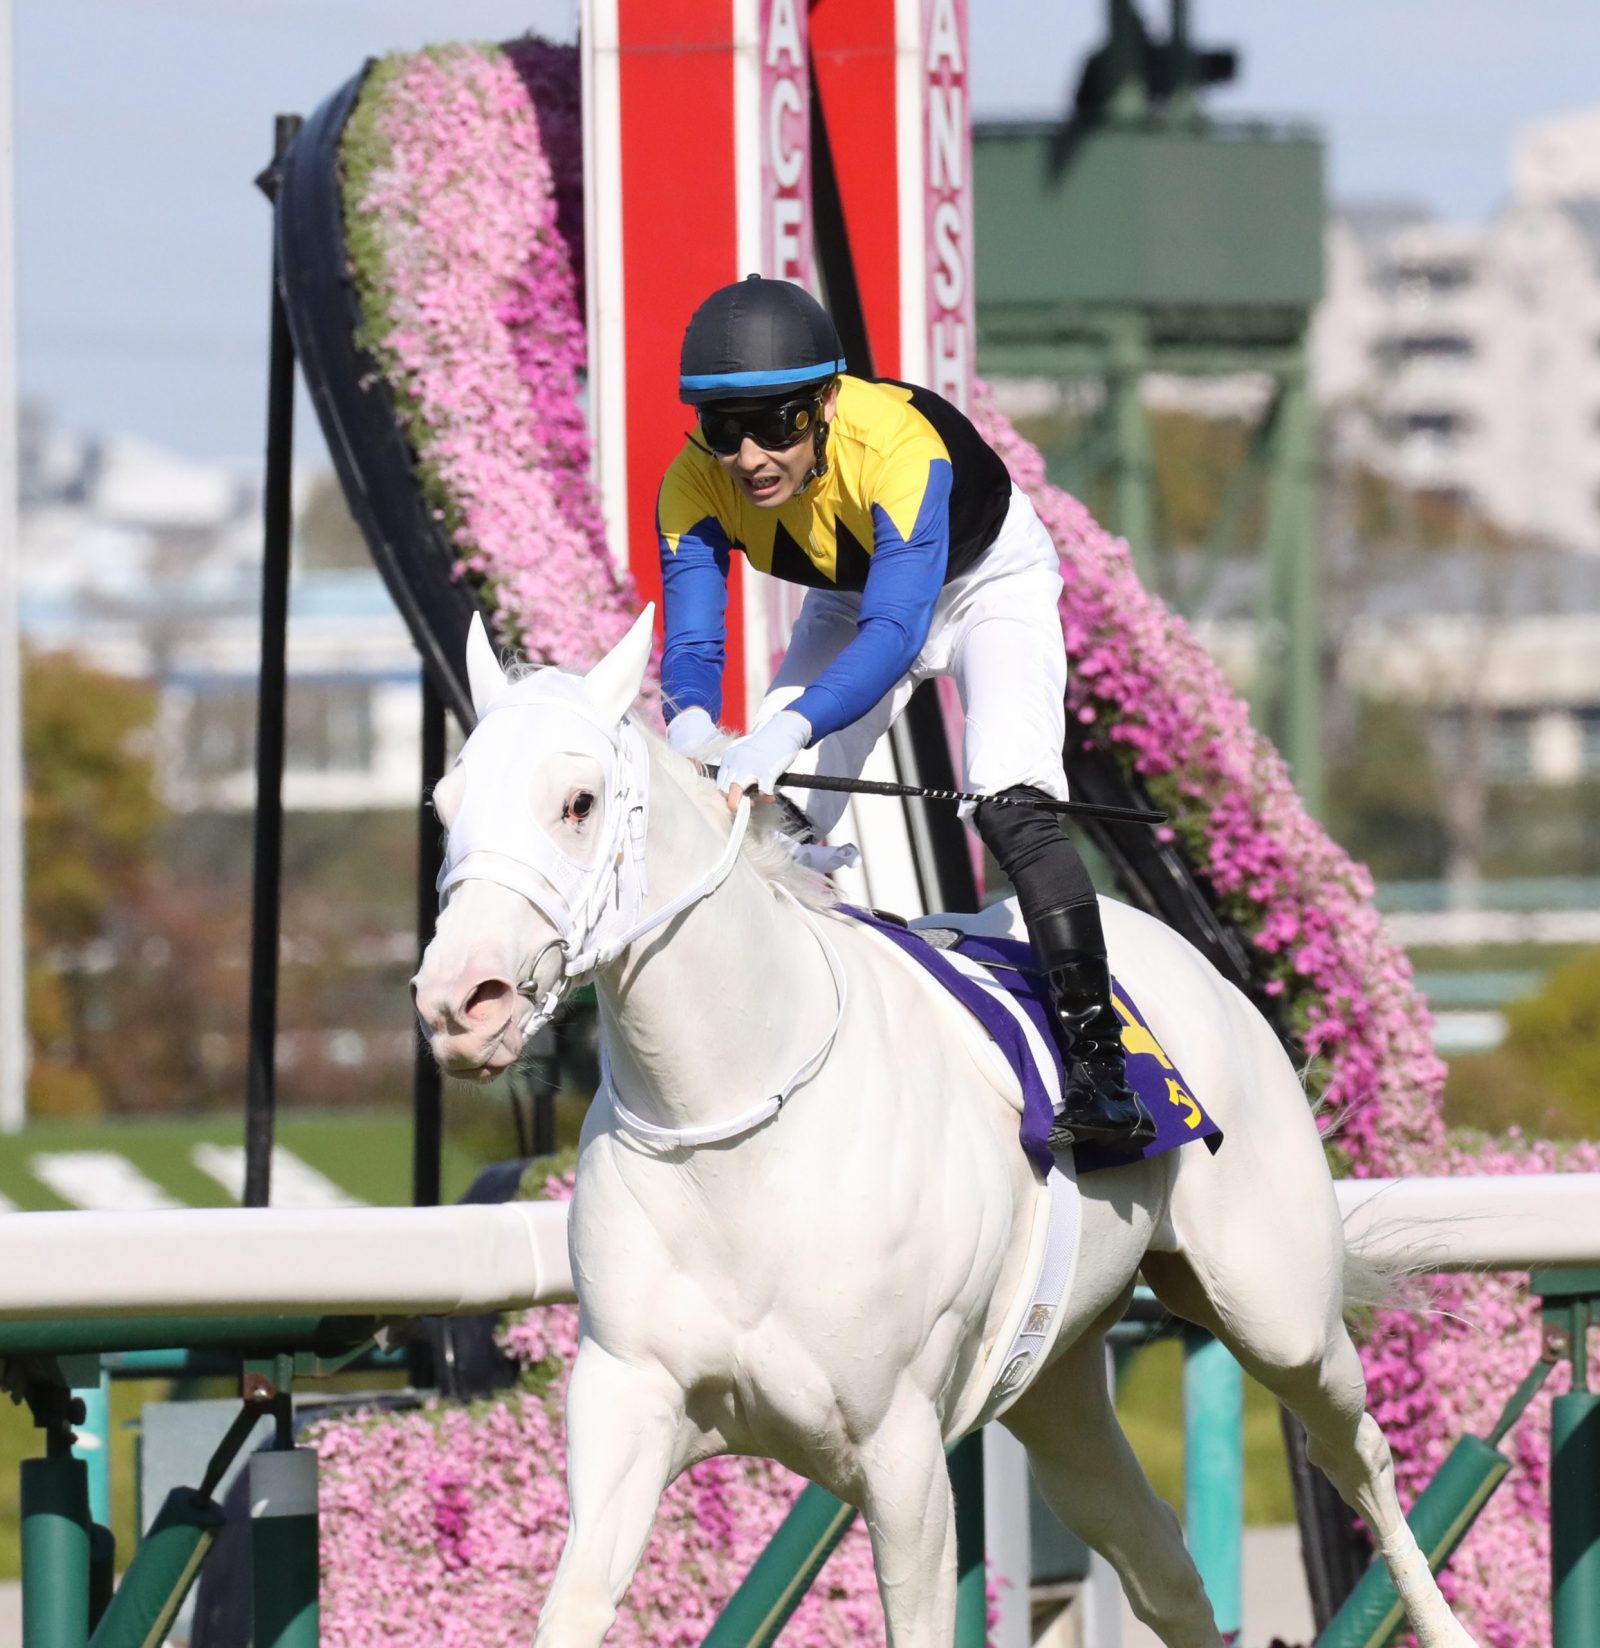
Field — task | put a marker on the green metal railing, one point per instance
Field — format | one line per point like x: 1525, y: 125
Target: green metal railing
x: 60, y: 1368
x: 68, y: 1554
x: 1213, y: 1473
x: 1372, y: 1616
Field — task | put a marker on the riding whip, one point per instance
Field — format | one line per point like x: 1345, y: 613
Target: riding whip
x: 870, y: 786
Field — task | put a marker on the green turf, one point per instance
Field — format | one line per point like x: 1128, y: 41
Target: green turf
x: 368, y: 1155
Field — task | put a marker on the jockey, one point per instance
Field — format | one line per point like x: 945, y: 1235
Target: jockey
x: 921, y: 558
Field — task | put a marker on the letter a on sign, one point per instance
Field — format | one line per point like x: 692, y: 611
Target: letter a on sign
x: 944, y: 39
x: 783, y: 37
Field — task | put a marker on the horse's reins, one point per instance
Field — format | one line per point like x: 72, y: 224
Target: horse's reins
x: 589, y: 900
x: 585, y: 962
x: 683, y: 1138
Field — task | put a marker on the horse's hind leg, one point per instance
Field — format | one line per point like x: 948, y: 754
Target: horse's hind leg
x: 1304, y: 1356
x: 1094, y: 1483
x: 1355, y: 1457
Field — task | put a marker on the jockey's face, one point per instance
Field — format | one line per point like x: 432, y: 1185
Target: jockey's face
x: 770, y: 478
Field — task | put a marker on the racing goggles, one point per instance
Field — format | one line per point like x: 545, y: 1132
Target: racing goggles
x: 773, y: 426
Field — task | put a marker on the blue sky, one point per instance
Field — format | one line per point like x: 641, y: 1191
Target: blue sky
x: 142, y: 247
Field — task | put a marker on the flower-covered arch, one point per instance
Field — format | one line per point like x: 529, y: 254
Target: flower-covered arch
x: 461, y: 177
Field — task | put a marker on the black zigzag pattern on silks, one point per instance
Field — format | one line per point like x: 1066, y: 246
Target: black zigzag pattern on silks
x: 852, y: 560
x: 791, y: 563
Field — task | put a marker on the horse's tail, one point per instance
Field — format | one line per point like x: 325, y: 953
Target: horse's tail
x: 1391, y: 1282
x: 1373, y: 1284
x: 1370, y: 1282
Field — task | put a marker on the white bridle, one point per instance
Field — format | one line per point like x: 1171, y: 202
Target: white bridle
x: 594, y: 907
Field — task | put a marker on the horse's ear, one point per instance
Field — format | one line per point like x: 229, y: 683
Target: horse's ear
x: 485, y: 677
x: 614, y: 683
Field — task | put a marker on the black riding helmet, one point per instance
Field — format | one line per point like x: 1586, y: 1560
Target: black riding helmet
x: 754, y: 339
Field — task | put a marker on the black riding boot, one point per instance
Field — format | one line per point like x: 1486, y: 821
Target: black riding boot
x: 1098, y: 1105
x: 1058, y: 904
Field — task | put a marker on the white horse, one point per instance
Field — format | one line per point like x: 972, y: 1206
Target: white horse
x: 803, y: 1220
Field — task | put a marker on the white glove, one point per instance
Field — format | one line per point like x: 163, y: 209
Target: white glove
x: 690, y: 730
x: 755, y: 761
x: 824, y: 860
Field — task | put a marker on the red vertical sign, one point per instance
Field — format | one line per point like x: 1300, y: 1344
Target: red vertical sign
x: 674, y: 210
x: 894, y: 77
x: 698, y: 171
x: 854, y: 58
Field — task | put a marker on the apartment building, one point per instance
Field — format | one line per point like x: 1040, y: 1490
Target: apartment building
x: 1464, y: 360
x: 149, y: 567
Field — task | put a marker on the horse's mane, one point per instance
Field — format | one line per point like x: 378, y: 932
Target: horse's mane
x: 766, y: 848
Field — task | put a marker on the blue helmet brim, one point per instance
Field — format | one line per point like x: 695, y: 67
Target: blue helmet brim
x: 702, y: 389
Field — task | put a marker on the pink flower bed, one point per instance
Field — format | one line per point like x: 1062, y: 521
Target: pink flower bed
x: 1142, y: 681
x: 473, y: 309
x: 440, y: 1521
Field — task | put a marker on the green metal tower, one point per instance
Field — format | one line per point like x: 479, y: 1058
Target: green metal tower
x: 1140, y: 236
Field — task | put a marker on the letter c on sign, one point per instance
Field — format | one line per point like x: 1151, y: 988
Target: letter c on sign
x: 788, y: 160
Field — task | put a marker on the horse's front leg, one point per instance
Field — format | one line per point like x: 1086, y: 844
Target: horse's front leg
x: 626, y: 1440
x: 910, y: 1515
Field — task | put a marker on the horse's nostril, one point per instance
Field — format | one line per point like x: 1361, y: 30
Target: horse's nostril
x: 488, y: 1000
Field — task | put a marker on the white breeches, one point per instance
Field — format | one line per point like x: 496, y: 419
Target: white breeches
x: 996, y: 633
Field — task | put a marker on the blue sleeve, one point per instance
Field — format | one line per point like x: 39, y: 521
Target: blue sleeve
x: 903, y: 584
x: 694, y: 595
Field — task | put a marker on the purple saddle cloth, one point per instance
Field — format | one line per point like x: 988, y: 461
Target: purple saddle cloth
x: 1178, y: 1114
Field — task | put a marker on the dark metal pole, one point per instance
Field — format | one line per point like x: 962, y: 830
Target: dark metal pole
x: 427, y: 1107
x: 547, y: 1080
x: 260, y: 1092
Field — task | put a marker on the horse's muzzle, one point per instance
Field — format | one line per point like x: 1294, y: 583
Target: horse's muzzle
x: 474, y: 1029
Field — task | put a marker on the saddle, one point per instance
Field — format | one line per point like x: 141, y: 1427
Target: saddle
x: 995, y: 978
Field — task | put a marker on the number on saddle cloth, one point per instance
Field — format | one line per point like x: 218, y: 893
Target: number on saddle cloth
x: 1179, y: 1116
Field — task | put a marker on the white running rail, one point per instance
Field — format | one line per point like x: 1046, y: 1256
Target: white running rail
x: 375, y: 1261
x: 1505, y: 1222
x: 364, y: 1261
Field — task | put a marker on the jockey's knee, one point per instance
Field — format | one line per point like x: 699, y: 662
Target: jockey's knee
x: 1028, y: 844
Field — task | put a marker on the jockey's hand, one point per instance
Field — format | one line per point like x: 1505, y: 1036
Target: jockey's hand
x: 691, y: 730
x: 755, y: 761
